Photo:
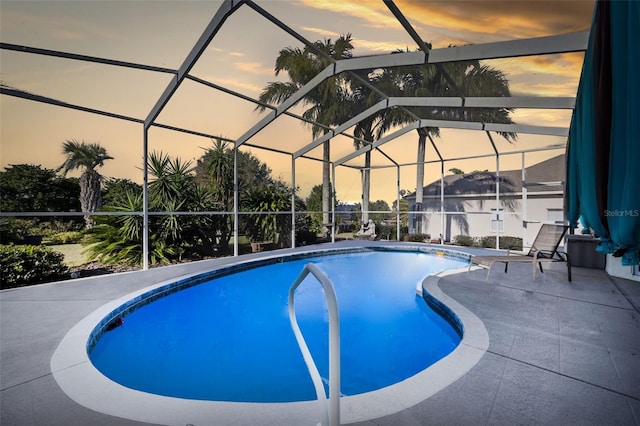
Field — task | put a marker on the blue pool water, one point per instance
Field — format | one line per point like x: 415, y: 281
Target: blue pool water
x: 230, y: 339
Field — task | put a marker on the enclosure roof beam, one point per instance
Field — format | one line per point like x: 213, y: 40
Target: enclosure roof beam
x: 535, y: 46
x: 252, y: 100
x: 226, y: 9
x: 423, y: 46
x: 453, y: 102
x: 394, y: 162
x: 191, y: 132
x: 308, y: 44
x: 520, y: 128
x: 565, y: 43
x: 532, y: 102
x: 435, y: 147
x: 406, y: 25
x: 466, y: 125
x: 471, y: 157
x: 85, y: 58
x: 51, y: 101
x: 341, y: 128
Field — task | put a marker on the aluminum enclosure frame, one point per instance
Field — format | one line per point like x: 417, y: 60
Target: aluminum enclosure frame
x: 573, y: 42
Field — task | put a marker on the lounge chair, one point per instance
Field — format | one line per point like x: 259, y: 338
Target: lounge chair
x: 544, y: 249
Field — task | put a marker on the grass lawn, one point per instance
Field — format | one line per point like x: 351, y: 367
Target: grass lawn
x: 72, y: 254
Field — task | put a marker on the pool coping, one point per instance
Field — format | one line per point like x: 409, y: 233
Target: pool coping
x: 82, y: 382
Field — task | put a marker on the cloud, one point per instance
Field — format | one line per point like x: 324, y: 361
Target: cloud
x: 320, y: 31
x: 464, y: 22
x: 256, y: 68
x: 238, y: 84
x: 484, y: 21
x: 361, y: 46
x: 550, y: 75
x: 545, y: 117
x: 375, y: 14
x: 381, y: 46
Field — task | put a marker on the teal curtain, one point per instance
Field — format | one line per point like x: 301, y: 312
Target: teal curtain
x: 624, y: 175
x: 603, y: 151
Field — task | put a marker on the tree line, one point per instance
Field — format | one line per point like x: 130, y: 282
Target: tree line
x: 174, y: 186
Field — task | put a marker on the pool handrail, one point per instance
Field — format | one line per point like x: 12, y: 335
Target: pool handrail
x: 332, y: 413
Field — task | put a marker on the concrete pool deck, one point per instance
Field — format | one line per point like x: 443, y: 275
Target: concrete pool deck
x: 559, y: 352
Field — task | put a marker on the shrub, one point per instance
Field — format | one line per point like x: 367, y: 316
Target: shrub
x: 417, y: 238
x: 464, y: 240
x: 386, y: 232
x: 506, y: 242
x: 23, y: 265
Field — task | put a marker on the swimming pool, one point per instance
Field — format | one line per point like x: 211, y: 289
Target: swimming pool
x: 76, y: 375
x: 201, y: 342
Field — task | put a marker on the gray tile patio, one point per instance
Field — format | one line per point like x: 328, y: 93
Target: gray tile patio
x: 559, y: 352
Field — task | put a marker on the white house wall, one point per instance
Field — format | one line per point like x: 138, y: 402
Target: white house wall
x: 479, y: 218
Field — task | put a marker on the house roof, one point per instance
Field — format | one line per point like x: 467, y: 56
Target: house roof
x: 551, y: 170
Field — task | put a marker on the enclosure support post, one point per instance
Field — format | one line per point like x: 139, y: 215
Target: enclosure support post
x: 497, y: 190
x: 442, y: 218
x: 333, y: 203
x: 145, y: 198
x: 442, y: 221
x: 398, y: 203
x: 293, y: 202
x: 364, y: 213
x: 236, y: 200
x: 524, y: 203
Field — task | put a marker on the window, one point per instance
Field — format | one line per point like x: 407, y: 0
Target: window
x: 497, y: 220
x: 555, y: 215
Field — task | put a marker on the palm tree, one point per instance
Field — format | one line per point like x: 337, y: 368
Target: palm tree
x: 325, y: 100
x: 365, y: 132
x: 470, y: 79
x: 86, y: 157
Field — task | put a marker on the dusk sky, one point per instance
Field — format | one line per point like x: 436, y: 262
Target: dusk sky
x: 241, y: 57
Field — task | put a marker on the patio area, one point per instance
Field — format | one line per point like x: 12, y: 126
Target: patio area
x: 559, y: 351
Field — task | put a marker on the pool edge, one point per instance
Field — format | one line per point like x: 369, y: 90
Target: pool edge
x: 71, y: 366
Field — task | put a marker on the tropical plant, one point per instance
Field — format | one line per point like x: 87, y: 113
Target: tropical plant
x: 361, y: 98
x: 118, y: 239
x: 214, y: 170
x: 267, y: 224
x: 364, y: 89
x: 86, y: 157
x: 116, y: 188
x: 325, y: 101
x: 172, y: 188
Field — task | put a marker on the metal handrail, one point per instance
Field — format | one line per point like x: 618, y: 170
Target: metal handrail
x: 332, y: 413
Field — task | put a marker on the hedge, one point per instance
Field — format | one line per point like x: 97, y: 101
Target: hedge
x: 24, y: 265
x: 506, y: 242
x: 417, y: 238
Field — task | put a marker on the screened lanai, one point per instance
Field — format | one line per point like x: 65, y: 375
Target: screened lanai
x: 173, y: 77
